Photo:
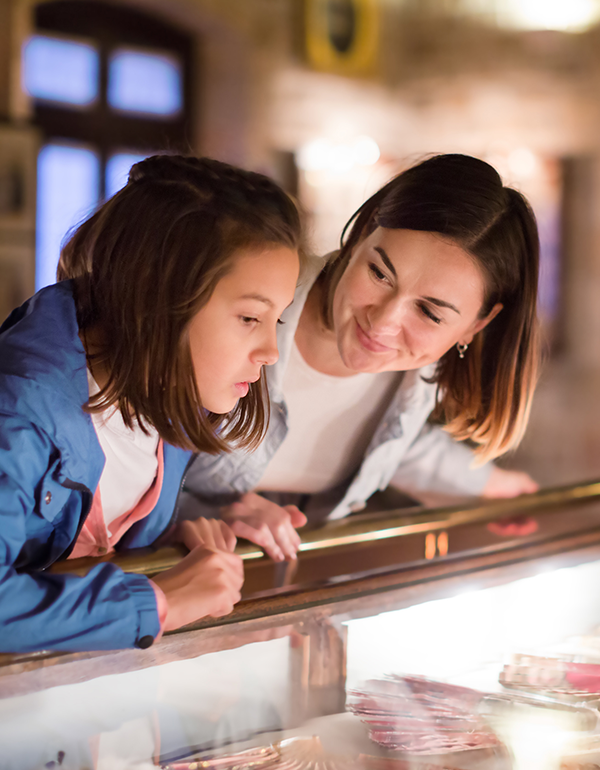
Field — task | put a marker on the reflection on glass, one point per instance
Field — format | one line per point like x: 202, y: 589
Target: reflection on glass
x: 145, y: 82
x: 60, y: 70
x: 117, y: 170
x: 465, y: 637
x: 68, y: 179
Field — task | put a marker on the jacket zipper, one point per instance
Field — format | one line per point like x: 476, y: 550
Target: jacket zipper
x: 174, y: 520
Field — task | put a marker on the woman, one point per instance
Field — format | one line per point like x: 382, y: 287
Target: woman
x: 428, y: 309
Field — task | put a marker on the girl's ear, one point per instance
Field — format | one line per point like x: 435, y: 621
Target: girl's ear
x: 482, y: 323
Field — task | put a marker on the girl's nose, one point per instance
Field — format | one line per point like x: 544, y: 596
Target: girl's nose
x: 267, y: 354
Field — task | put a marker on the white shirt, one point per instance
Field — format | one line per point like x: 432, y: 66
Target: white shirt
x: 331, y: 421
x: 131, y: 461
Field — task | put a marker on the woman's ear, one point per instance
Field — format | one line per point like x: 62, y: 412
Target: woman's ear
x: 482, y: 323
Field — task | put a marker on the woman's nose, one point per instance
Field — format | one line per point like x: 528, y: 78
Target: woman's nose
x: 386, y: 317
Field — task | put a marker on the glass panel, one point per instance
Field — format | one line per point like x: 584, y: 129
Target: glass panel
x: 68, y: 178
x: 145, y: 82
x: 117, y: 170
x: 60, y: 70
x: 467, y: 637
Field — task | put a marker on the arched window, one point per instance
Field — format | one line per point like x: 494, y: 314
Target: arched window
x: 110, y: 86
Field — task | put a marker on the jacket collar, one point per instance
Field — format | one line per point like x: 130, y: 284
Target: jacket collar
x: 43, y: 376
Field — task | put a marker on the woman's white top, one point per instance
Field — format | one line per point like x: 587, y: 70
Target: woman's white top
x: 131, y: 461
x: 331, y: 421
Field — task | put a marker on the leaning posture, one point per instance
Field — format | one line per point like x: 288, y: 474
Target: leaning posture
x: 110, y: 381
x: 426, y: 316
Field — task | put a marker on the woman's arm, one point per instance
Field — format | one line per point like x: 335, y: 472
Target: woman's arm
x: 435, y: 463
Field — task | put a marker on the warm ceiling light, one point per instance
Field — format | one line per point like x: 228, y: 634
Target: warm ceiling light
x: 565, y: 15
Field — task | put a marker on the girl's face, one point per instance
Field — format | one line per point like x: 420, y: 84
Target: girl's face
x: 235, y: 334
x: 405, y: 299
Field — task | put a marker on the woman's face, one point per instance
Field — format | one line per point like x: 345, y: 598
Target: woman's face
x: 235, y: 334
x: 405, y: 299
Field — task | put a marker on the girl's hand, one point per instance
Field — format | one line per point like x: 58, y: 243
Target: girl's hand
x: 503, y: 483
x: 266, y: 524
x: 211, y: 533
x: 207, y: 581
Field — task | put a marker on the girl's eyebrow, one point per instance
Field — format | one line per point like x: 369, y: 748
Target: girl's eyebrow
x: 388, y: 263
x: 259, y: 298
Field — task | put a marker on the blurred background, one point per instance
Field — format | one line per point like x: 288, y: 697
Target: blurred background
x: 330, y: 97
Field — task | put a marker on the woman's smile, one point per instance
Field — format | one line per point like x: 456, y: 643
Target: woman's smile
x: 371, y: 343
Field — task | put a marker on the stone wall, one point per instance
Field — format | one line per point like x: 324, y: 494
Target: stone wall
x: 440, y: 82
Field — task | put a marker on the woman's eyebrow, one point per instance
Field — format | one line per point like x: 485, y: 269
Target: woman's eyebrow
x: 259, y: 298
x: 442, y: 303
x: 386, y: 260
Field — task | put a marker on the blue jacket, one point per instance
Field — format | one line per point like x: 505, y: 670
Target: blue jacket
x: 50, y: 466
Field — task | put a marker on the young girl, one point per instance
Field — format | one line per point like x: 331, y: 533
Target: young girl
x: 110, y: 381
x: 428, y: 306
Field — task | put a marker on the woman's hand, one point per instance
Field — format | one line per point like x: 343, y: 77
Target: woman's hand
x: 514, y: 526
x: 208, y: 581
x: 266, y: 524
x: 503, y: 483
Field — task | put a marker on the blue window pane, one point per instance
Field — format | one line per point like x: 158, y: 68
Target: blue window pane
x: 60, y: 70
x: 145, y: 82
x: 117, y: 170
x: 68, y: 179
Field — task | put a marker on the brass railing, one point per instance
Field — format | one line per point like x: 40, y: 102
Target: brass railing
x: 367, y: 528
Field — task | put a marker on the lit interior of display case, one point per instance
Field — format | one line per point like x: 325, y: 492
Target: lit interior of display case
x: 273, y: 692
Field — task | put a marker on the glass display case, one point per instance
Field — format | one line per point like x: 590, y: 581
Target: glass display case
x: 321, y: 666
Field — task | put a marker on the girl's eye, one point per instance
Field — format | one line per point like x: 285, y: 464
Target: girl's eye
x: 376, y: 272
x: 426, y: 311
x: 248, y: 320
x: 279, y: 321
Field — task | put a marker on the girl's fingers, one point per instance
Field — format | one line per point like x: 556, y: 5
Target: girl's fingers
x: 217, y: 535
x: 190, y: 534
x: 229, y: 537
x: 211, y: 533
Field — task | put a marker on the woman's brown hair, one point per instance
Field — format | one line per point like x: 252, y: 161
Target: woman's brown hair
x: 145, y: 263
x: 485, y: 397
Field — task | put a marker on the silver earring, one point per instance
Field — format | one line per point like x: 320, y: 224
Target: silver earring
x: 462, y: 349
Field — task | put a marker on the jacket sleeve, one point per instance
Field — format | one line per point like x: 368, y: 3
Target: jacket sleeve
x: 435, y: 462
x: 106, y: 609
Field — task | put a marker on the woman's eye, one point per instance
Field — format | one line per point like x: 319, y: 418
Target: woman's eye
x: 376, y: 272
x: 426, y: 311
x: 248, y: 320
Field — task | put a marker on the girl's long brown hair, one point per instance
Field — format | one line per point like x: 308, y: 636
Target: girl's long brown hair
x: 145, y: 263
x: 485, y: 397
